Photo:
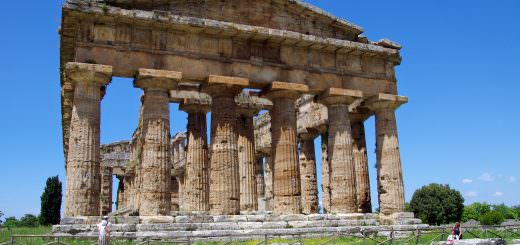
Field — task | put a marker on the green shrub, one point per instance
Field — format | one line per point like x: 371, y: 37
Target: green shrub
x: 492, y: 218
x: 437, y: 204
x: 29, y: 220
x: 11, y: 222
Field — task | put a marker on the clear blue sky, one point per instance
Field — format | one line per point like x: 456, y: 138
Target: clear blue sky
x: 460, y: 70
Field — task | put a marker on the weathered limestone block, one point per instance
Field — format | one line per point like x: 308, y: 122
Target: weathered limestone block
x: 224, y: 195
x: 342, y: 169
x: 361, y: 165
x: 156, y: 166
x: 83, y: 160
x: 197, y: 162
x: 308, y: 176
x: 287, y: 188
x: 389, y: 168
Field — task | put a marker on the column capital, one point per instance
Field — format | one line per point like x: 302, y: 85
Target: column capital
x: 249, y: 105
x: 308, y: 134
x: 225, y: 85
x: 284, y: 90
x: 196, y: 105
x: 385, y: 101
x: 88, y: 73
x: 157, y: 79
x: 334, y: 96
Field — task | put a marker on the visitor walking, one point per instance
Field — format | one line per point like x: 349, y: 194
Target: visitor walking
x: 104, y: 231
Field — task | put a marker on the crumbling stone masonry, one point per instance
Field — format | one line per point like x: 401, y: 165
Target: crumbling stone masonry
x: 275, y: 75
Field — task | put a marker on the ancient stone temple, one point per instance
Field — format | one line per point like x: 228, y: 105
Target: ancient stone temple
x: 275, y: 75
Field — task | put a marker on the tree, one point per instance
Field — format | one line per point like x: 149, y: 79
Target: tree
x: 475, y: 211
x: 1, y: 215
x: 11, y: 222
x: 492, y: 218
x: 516, y: 211
x: 506, y: 211
x: 28, y: 220
x: 51, y: 202
x: 437, y: 204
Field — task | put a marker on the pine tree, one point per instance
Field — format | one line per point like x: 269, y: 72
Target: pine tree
x: 51, y: 202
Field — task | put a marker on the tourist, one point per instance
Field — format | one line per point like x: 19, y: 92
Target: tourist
x: 104, y: 231
x: 456, y: 231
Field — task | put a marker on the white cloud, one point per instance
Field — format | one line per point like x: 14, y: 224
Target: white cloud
x: 467, y: 181
x: 499, y: 194
x: 471, y: 194
x: 487, y: 177
x: 512, y: 179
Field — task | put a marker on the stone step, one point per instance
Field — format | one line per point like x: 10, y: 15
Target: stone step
x: 254, y: 225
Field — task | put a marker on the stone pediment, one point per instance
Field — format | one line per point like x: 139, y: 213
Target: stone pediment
x: 291, y: 15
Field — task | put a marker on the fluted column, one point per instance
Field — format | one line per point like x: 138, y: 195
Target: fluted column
x: 181, y: 182
x: 106, y: 190
x: 83, y: 161
x: 342, y: 170
x: 174, y: 189
x: 325, y: 173
x: 175, y: 152
x: 246, y: 159
x: 361, y: 165
x: 389, y: 169
x: 120, y: 203
x: 269, y: 182
x: 197, y: 163
x: 155, y: 160
x: 284, y: 149
x: 224, y: 197
x: 260, y: 182
x: 308, y: 177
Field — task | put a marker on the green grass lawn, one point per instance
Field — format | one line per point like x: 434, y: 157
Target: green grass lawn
x: 424, y: 238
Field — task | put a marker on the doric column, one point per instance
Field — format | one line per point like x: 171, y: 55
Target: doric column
x: 308, y: 177
x: 197, y: 162
x: 83, y: 160
x: 175, y: 151
x: 174, y: 189
x: 325, y: 173
x: 120, y: 203
x: 182, y: 192
x: 284, y: 149
x: 342, y: 169
x: 106, y: 190
x: 361, y: 163
x: 269, y: 181
x: 259, y: 176
x: 246, y: 159
x: 155, y: 160
x: 224, y: 197
x: 389, y: 169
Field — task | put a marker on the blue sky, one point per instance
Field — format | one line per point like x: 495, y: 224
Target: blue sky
x: 460, y: 70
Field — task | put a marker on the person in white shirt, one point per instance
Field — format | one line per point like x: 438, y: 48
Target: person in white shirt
x: 104, y: 231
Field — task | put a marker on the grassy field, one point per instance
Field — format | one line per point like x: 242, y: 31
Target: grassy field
x: 424, y: 238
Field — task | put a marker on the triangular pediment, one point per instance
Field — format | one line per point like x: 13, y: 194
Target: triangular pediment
x: 291, y: 15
